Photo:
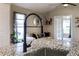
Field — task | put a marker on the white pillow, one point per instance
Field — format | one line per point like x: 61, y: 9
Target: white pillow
x: 29, y: 40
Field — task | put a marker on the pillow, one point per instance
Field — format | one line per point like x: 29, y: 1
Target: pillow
x: 34, y: 35
x: 29, y: 40
x: 47, y: 34
x: 39, y: 35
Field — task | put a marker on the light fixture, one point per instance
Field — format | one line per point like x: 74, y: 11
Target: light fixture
x: 65, y: 4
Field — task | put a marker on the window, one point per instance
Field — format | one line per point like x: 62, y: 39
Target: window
x: 62, y: 27
x: 19, y: 25
x: 66, y: 27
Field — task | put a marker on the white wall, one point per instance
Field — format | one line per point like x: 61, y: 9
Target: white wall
x: 4, y: 25
x: 64, y: 11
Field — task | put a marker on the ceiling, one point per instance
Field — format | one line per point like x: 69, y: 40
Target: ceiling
x: 39, y: 7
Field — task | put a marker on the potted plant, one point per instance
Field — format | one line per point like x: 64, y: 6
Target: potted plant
x: 14, y: 37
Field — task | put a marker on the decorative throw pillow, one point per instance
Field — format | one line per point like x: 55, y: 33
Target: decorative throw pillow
x: 34, y: 35
x: 47, y: 34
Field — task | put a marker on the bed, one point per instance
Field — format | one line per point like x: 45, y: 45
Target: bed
x: 40, y: 45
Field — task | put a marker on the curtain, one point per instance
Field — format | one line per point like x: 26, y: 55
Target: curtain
x: 62, y: 27
x: 58, y: 27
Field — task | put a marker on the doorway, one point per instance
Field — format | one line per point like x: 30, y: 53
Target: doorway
x: 62, y: 28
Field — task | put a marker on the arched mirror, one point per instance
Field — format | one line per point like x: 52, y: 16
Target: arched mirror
x: 32, y: 25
